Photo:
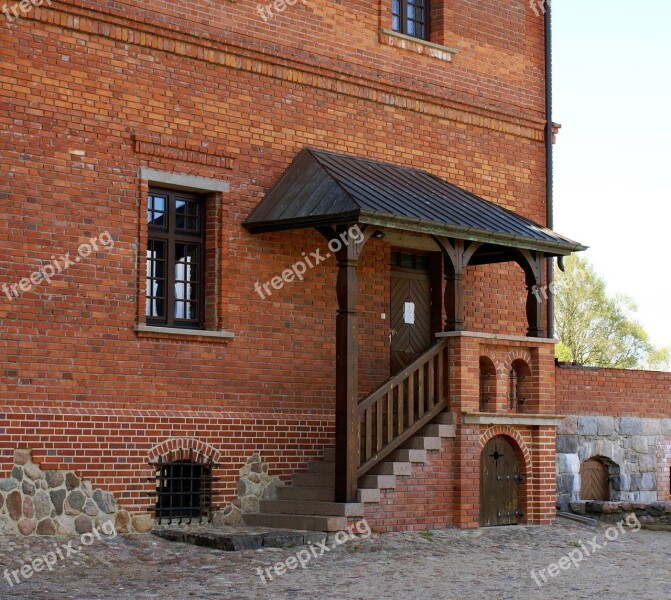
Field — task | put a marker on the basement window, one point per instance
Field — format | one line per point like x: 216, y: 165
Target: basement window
x: 184, y: 491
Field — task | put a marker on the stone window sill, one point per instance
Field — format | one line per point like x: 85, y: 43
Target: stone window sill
x: 407, y: 42
x: 175, y: 333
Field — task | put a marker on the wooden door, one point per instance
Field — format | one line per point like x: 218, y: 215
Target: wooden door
x: 500, y: 480
x: 594, y: 480
x: 410, y: 313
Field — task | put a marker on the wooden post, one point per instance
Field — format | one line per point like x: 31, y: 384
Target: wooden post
x: 347, y: 361
x: 534, y: 264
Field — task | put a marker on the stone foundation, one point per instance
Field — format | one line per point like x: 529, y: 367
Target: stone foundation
x: 253, y: 486
x: 33, y: 501
x: 634, y: 450
x: 656, y: 515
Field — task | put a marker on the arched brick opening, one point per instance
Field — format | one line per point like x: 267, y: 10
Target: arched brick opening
x: 524, y: 457
x: 488, y: 385
x: 520, y: 388
x: 598, y: 478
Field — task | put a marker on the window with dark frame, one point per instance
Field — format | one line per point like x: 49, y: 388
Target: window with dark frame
x: 175, y: 259
x: 411, y: 17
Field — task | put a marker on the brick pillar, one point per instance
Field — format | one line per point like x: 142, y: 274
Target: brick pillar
x: 464, y: 384
x: 543, y: 484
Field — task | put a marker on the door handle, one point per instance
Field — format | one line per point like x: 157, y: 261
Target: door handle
x: 392, y: 333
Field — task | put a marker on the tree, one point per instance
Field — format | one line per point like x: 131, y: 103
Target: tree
x: 599, y: 330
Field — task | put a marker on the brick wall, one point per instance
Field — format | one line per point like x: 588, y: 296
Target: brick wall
x: 89, y: 94
x: 613, y: 392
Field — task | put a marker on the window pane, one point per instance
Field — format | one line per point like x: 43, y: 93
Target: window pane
x: 186, y: 281
x: 187, y: 213
x: 156, y: 211
x: 155, y: 304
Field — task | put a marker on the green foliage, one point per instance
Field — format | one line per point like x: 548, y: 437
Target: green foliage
x: 599, y: 330
x: 427, y: 535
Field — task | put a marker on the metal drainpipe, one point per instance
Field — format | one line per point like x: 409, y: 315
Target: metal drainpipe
x: 549, y: 161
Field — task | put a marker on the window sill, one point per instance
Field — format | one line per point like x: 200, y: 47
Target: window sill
x: 407, y: 42
x: 175, y: 333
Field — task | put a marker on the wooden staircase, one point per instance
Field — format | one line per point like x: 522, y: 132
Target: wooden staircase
x: 309, y: 502
x: 399, y: 424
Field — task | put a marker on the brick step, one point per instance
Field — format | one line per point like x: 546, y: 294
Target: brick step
x: 312, y: 507
x: 313, y: 480
x: 319, y: 466
x: 322, y: 494
x: 302, y: 522
x: 439, y: 430
x: 446, y: 418
x: 368, y: 496
x: 380, y: 482
x: 409, y: 455
x: 420, y: 442
x: 389, y: 467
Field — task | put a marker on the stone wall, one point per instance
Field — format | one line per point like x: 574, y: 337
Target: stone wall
x: 656, y: 515
x: 33, y: 501
x: 634, y: 449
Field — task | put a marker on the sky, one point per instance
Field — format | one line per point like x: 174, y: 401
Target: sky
x: 612, y: 96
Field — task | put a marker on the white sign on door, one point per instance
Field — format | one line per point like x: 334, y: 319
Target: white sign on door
x: 409, y: 313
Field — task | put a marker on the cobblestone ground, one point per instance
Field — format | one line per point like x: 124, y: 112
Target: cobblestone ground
x: 485, y: 563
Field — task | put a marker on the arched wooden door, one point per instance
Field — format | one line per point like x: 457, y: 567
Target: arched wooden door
x: 500, y: 479
x: 594, y: 480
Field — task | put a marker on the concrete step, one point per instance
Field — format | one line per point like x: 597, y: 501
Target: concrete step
x: 322, y: 494
x: 303, y: 522
x: 439, y: 430
x: 409, y: 455
x: 312, y: 507
x: 320, y: 466
x: 329, y: 454
x: 446, y: 418
x: 380, y: 482
x: 314, y: 479
x: 423, y: 443
x: 368, y: 496
x: 390, y: 467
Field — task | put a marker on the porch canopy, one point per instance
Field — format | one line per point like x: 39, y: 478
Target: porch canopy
x: 332, y: 192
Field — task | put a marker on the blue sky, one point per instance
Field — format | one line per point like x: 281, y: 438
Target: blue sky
x: 613, y: 156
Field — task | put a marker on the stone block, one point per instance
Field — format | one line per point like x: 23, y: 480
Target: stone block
x: 569, y: 426
x: 568, y: 463
x: 65, y: 525
x: 605, y: 426
x: 568, y: 483
x: 28, y: 488
x: 7, y: 485
x: 27, y: 526
x: 57, y: 499
x: 651, y: 426
x: 54, y: 479
x: 567, y: 444
x: 17, y: 473
x: 33, y: 471
x: 587, y: 425
x: 631, y: 426
x: 105, y: 501
x: 21, y: 456
x: 15, y: 505
x: 71, y: 481
x: 142, y: 523
x: 42, y: 503
x: 6, y: 526
x: 74, y: 502
x: 649, y: 482
x: 28, y: 508
x: 46, y: 527
x: 83, y: 524
x: 91, y: 508
x: 639, y: 444
x: 122, y: 522
x: 647, y: 463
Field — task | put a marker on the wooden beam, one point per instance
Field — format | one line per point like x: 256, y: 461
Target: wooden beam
x: 533, y: 264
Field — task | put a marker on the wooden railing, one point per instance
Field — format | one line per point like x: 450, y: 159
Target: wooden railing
x: 402, y: 406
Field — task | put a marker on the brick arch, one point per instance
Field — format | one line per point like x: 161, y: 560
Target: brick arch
x: 490, y: 353
x: 518, y: 354
x: 180, y: 448
x: 509, y: 432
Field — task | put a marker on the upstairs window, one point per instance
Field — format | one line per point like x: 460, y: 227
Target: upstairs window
x: 411, y: 17
x: 175, y: 257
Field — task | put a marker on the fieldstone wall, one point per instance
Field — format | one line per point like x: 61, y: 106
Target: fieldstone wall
x: 631, y: 448
x: 254, y: 485
x: 33, y: 501
x: 651, y: 516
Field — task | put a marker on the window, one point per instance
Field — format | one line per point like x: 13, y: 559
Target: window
x: 184, y: 490
x: 519, y: 383
x: 411, y: 17
x: 175, y: 257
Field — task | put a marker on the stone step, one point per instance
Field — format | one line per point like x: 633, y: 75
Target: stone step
x: 322, y: 494
x: 329, y: 454
x: 368, y: 496
x: 409, y: 455
x: 314, y: 479
x: 423, y: 443
x: 392, y: 468
x: 380, y: 482
x: 320, y: 466
x: 446, y: 418
x: 312, y: 507
x: 439, y: 430
x: 303, y: 522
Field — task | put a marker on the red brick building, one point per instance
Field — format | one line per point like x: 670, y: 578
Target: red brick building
x: 166, y: 167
